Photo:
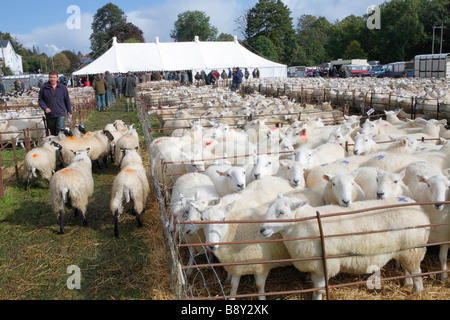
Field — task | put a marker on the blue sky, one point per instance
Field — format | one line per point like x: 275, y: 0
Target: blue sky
x: 43, y: 23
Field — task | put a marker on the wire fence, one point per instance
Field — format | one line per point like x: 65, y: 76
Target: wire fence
x: 195, y: 273
x: 14, y: 145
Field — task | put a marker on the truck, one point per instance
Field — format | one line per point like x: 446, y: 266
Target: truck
x: 400, y: 69
x: 432, y: 65
x: 297, y: 72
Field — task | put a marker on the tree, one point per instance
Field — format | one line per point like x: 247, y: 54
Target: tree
x: 271, y: 18
x: 74, y: 60
x: 354, y: 51
x: 127, y: 31
x: 61, y: 63
x: 265, y: 48
x: 225, y: 37
x: 193, y: 23
x: 313, y: 34
x: 105, y: 21
x: 343, y: 32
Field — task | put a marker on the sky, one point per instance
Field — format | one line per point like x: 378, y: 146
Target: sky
x: 54, y: 26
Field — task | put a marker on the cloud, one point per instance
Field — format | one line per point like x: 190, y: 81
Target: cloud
x: 56, y: 38
x: 158, y: 20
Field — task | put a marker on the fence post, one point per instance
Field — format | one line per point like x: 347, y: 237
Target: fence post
x: 1, y: 176
x: 324, y: 260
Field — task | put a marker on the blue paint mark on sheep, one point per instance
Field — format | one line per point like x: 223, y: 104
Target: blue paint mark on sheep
x: 380, y: 157
x: 345, y: 162
x: 402, y: 199
x: 325, y: 164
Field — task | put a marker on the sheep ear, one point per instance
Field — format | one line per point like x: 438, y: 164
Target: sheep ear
x: 279, y: 195
x: 285, y: 163
x: 87, y: 150
x: 74, y: 152
x: 297, y: 204
x: 220, y: 173
x: 422, y: 178
x: 213, y: 202
x: 229, y: 207
x: 327, y: 177
x: 401, y: 174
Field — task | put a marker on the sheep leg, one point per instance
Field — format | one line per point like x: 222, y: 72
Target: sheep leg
x: 234, y: 285
x: 138, y: 219
x: 27, y: 184
x: 318, y: 282
x: 116, y: 223
x: 105, y: 161
x: 61, y: 221
x: 260, y: 280
x: 443, y: 251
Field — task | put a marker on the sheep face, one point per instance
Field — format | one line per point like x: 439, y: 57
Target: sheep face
x: 304, y: 156
x: 437, y: 188
x: 235, y: 178
x: 363, y: 144
x: 213, y: 231
x: 370, y: 128
x: 281, y: 208
x: 389, y: 184
x: 264, y: 166
x: 342, y: 185
x: 295, y: 172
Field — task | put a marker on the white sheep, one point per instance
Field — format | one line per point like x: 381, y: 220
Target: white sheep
x: 129, y: 140
x: 227, y: 179
x: 294, y: 172
x: 390, y: 184
x: 342, y: 189
x: 40, y: 162
x: 367, y: 250
x: 130, y: 184
x: 242, y: 232
x: 326, y: 153
x: 72, y: 186
x: 365, y: 144
x: 264, y: 165
x: 97, y: 141
x: 428, y: 184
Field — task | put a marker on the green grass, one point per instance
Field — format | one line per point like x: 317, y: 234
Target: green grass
x: 34, y: 258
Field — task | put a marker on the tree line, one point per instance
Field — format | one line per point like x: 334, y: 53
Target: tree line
x: 268, y: 29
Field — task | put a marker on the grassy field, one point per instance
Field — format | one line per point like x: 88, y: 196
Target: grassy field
x: 34, y: 258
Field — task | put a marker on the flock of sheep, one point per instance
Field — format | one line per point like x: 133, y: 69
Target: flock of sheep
x: 223, y: 165
x: 421, y: 95
x: 75, y: 153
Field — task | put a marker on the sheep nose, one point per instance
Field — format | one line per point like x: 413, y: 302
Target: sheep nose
x: 356, y: 152
x: 240, y: 186
x: 257, y: 175
x: 212, y: 248
x: 296, y: 182
x: 346, y: 202
x: 439, y: 206
x: 380, y: 195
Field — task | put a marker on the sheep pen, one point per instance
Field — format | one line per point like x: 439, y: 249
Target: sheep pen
x: 208, y: 279
x: 146, y: 263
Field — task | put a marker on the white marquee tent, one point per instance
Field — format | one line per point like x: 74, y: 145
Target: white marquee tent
x: 177, y: 56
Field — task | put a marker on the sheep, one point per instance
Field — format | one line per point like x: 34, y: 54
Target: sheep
x: 428, y: 184
x: 241, y: 232
x: 72, y: 186
x: 365, y: 144
x: 367, y: 250
x: 390, y: 184
x: 131, y: 183
x: 342, y: 189
x: 98, y: 142
x: 326, y: 153
x: 129, y: 140
x: 40, y: 161
x: 264, y: 165
x: 294, y: 172
x: 227, y: 179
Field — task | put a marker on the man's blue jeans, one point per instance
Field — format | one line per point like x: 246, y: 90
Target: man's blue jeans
x: 56, y: 124
x: 101, y: 103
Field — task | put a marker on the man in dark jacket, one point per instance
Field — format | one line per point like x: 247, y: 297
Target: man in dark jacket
x: 237, y: 79
x: 100, y: 85
x: 55, y: 101
x: 129, y: 91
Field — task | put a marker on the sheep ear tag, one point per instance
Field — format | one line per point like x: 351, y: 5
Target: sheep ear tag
x: 74, y: 152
